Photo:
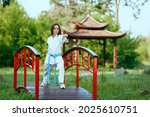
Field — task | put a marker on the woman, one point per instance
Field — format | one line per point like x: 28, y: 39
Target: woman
x: 54, y: 57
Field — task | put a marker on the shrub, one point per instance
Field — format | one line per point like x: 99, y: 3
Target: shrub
x: 6, y: 55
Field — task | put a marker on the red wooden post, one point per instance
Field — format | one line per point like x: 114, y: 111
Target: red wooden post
x: 21, y: 58
x: 72, y: 54
x: 25, y: 70
x: 24, y: 54
x: 77, y: 68
x: 28, y: 57
x: 91, y: 55
x: 18, y: 59
x: 95, y: 78
x: 32, y: 61
x: 82, y: 58
x: 88, y: 61
x: 15, y: 72
x: 37, y: 78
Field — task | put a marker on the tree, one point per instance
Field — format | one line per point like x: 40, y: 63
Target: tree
x: 127, y: 55
x: 16, y: 30
x: 143, y: 49
x: 63, y: 10
x: 43, y: 24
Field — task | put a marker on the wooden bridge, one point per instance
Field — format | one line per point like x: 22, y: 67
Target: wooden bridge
x: 27, y: 56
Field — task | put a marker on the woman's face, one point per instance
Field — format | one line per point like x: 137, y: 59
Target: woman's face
x: 55, y: 30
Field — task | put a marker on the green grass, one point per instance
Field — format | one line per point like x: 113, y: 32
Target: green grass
x: 110, y: 87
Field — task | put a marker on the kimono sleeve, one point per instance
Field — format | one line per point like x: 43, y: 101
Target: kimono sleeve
x: 48, y: 40
x: 62, y: 39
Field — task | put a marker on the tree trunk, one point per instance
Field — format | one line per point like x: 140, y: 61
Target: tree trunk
x: 117, y: 3
x: 107, y: 6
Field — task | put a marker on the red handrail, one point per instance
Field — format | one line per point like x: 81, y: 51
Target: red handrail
x: 77, y: 56
x: 27, y: 56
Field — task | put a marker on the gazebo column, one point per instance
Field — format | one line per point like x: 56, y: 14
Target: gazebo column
x: 104, y: 52
x: 115, y: 55
x: 103, y: 44
x: 71, y: 42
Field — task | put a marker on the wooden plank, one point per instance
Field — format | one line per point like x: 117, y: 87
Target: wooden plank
x: 56, y: 93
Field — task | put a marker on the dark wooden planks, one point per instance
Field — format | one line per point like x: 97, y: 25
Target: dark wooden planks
x: 56, y: 93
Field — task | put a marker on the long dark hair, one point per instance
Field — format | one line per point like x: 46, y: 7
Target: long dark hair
x: 52, y: 28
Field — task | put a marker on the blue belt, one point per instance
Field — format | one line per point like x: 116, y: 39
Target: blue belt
x: 49, y: 69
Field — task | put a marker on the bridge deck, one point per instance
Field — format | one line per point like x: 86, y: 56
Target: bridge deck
x: 56, y: 93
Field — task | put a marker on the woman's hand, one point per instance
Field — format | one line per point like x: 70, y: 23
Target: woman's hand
x: 65, y: 35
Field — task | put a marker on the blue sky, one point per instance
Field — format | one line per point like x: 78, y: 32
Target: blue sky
x: 126, y: 19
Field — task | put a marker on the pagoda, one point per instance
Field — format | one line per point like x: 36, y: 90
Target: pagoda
x: 89, y: 29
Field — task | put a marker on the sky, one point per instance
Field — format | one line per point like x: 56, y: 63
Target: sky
x: 127, y: 22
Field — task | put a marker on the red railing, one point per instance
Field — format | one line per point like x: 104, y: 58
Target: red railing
x: 27, y: 56
x: 81, y: 56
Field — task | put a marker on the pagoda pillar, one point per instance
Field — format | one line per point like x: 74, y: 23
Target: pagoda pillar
x: 104, y: 52
x: 115, y: 62
x: 71, y: 43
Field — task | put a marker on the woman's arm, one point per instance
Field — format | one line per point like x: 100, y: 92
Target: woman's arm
x: 64, y: 37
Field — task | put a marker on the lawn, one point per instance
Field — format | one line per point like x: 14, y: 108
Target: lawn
x: 133, y: 86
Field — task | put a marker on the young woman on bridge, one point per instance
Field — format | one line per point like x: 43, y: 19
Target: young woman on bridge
x: 54, y: 56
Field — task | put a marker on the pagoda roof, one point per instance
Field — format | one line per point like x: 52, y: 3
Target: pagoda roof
x: 90, y: 23
x: 93, y: 34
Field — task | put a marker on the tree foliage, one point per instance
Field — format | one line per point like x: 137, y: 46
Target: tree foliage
x: 18, y: 29
x: 43, y: 24
x: 12, y: 29
x: 127, y: 55
x: 143, y: 49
